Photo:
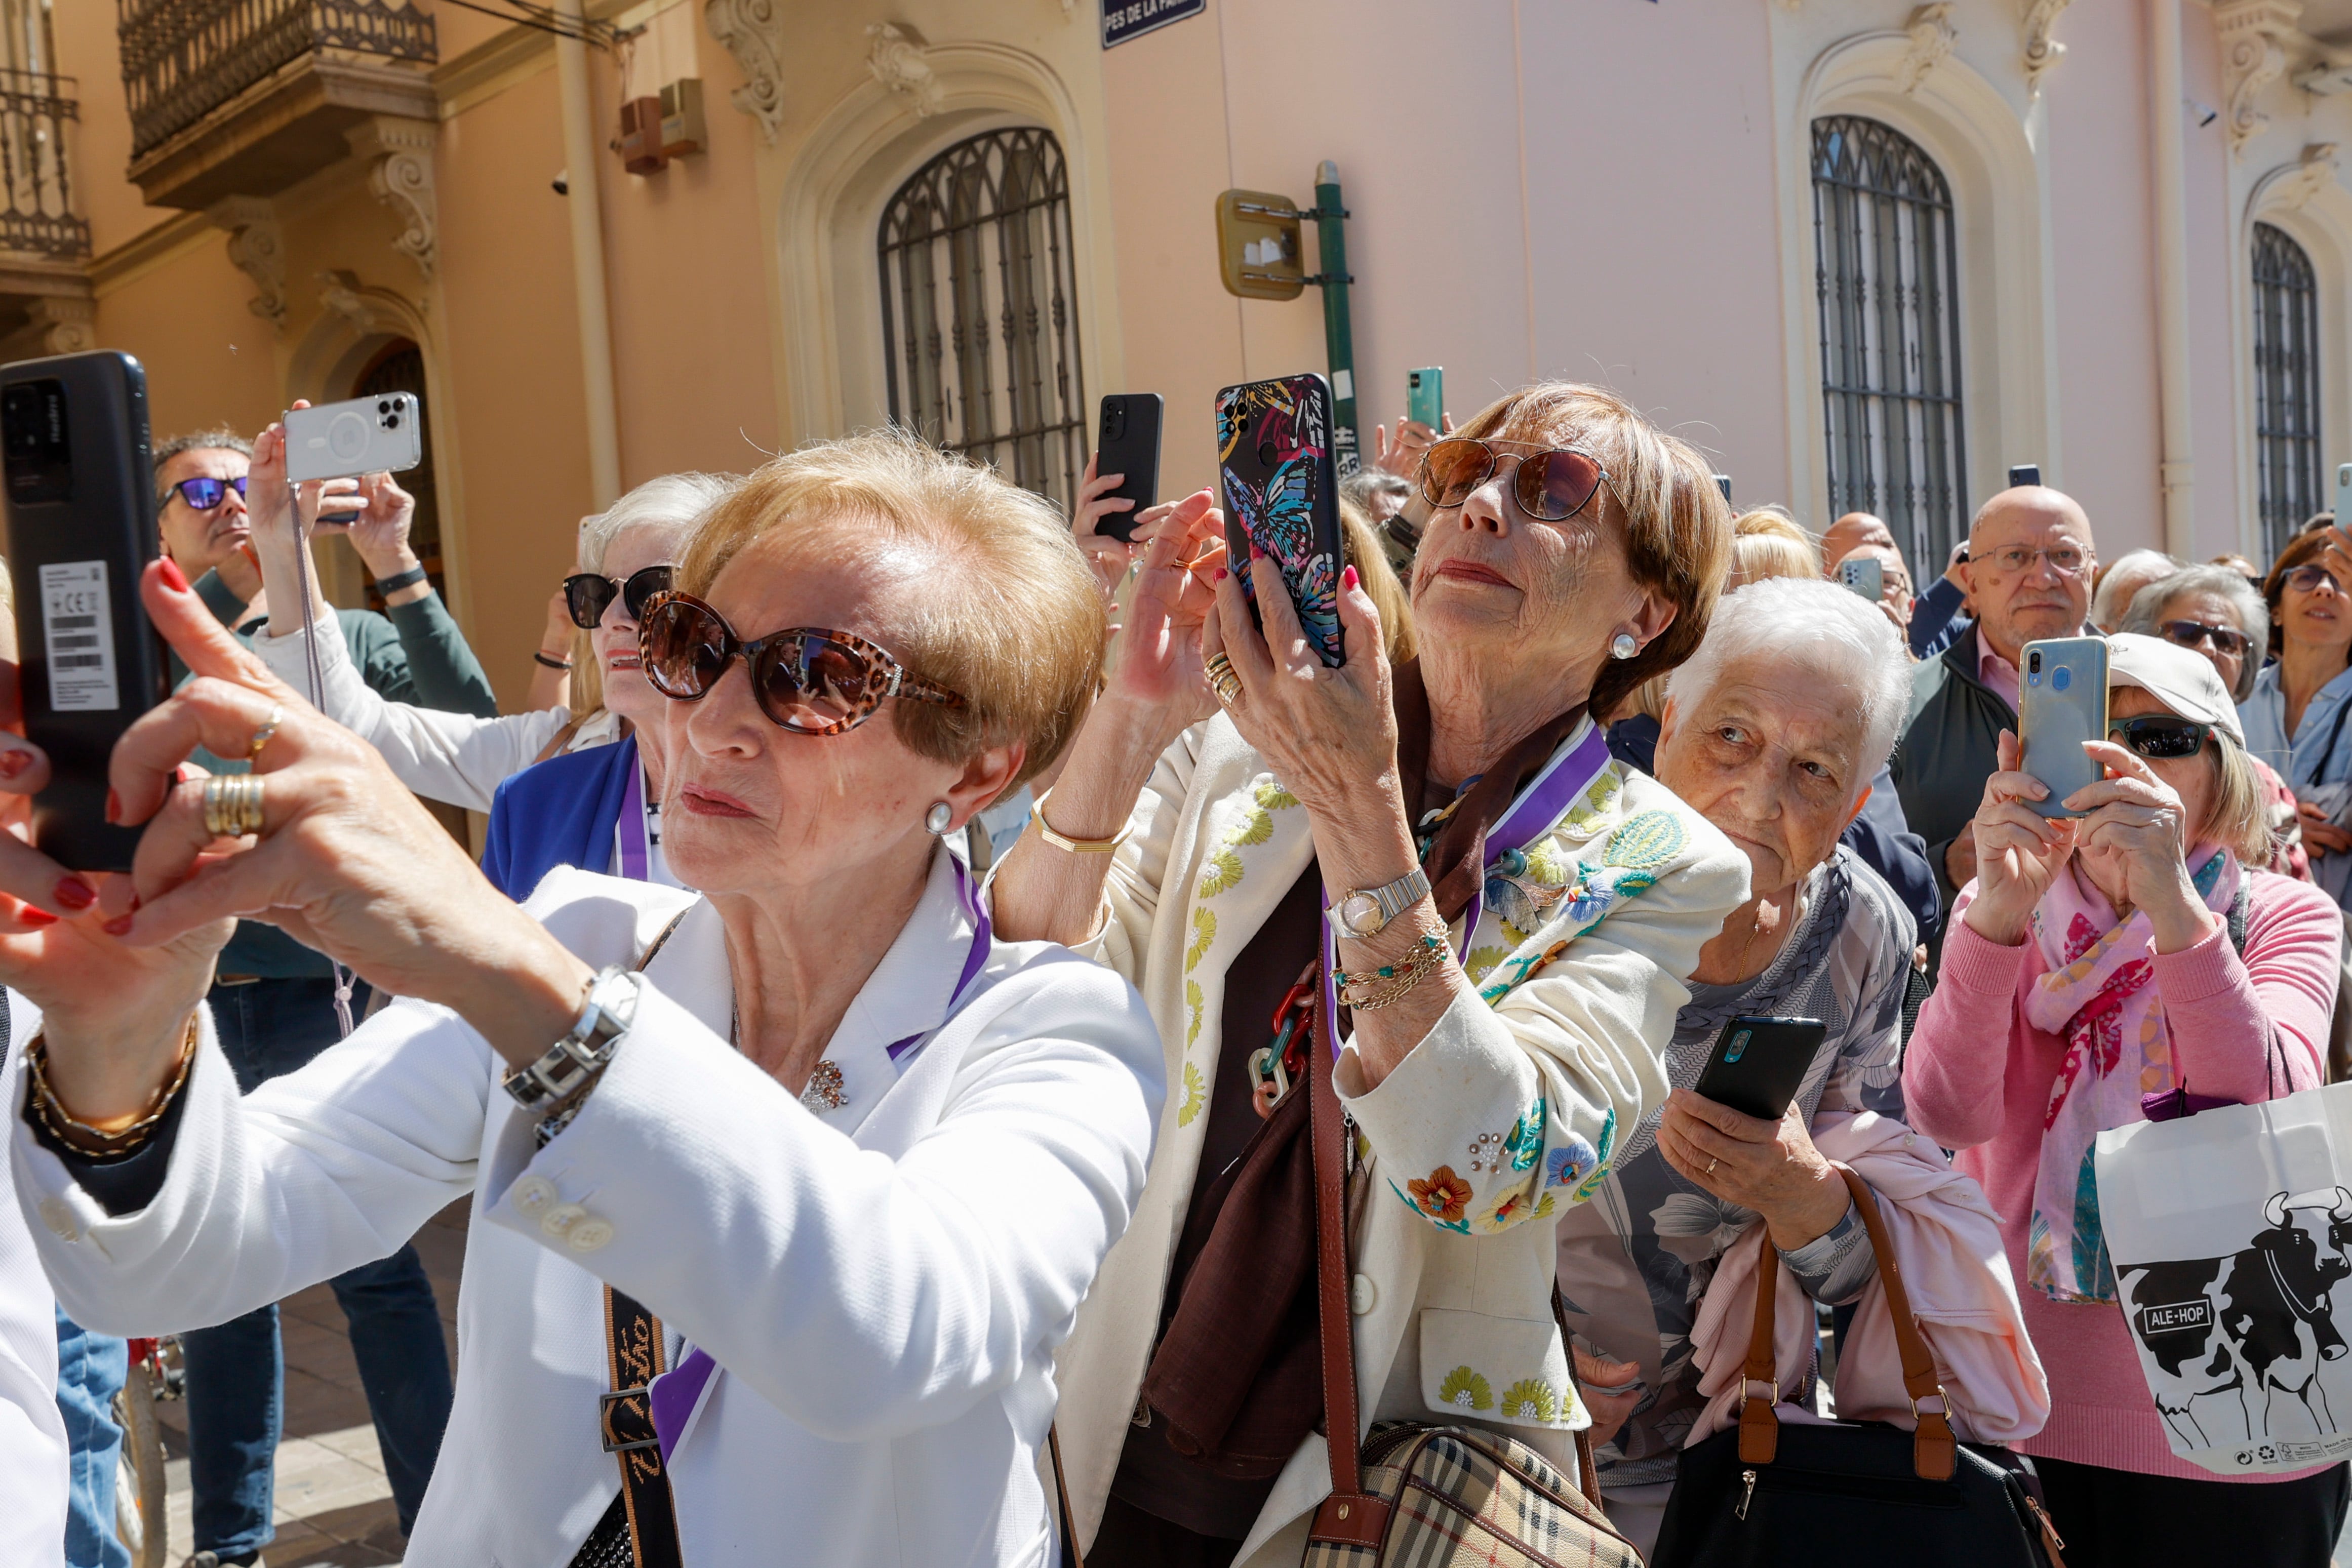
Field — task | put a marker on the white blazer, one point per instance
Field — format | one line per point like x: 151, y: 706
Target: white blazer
x: 885, y: 1286
x: 33, y: 1449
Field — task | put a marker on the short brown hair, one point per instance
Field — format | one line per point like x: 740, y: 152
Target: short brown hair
x: 1677, y: 524
x: 2299, y: 549
x: 1015, y: 626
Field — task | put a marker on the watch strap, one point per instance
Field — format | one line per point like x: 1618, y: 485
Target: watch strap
x: 567, y: 1066
x: 398, y: 581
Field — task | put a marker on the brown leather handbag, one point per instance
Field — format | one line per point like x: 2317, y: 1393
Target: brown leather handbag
x: 1433, y: 1497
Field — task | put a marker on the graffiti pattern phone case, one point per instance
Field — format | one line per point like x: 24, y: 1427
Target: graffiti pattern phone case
x: 1274, y: 459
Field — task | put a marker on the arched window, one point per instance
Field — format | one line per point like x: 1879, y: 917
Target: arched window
x: 978, y: 308
x: 1890, y: 321
x: 2286, y: 385
x: 399, y: 366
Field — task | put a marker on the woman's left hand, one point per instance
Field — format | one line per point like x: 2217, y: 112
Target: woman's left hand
x: 2138, y: 819
x: 1771, y: 1167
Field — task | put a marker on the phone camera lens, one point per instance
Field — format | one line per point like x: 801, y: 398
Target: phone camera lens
x: 392, y: 421
x: 2033, y: 663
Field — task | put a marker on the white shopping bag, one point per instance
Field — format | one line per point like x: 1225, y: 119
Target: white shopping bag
x: 2231, y: 1235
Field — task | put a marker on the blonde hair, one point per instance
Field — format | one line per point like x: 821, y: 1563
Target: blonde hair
x: 1767, y: 542
x: 1013, y: 620
x: 1379, y: 579
x: 2239, y: 818
x: 1677, y: 524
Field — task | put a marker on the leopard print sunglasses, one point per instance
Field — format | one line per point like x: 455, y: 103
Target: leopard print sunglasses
x: 807, y: 679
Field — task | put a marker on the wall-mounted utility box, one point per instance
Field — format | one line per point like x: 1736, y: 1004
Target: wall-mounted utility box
x: 682, y: 129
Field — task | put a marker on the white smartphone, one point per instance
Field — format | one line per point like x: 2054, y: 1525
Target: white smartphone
x: 2343, y: 495
x: 364, y: 436
x: 1866, y: 575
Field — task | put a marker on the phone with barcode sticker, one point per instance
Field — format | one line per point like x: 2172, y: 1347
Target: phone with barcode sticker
x: 79, y: 491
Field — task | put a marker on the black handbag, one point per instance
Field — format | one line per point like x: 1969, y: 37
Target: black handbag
x: 1849, y: 1493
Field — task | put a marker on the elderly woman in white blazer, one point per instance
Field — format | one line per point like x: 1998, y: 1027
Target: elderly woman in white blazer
x: 1498, y: 1051
x: 818, y: 1170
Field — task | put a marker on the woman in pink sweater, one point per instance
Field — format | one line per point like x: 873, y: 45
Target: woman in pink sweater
x: 2098, y: 951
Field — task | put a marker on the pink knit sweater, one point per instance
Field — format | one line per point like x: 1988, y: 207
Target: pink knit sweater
x: 1988, y: 1105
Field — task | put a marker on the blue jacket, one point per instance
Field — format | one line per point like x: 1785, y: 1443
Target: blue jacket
x: 558, y: 812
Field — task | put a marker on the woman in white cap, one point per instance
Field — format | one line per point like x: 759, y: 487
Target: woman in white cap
x: 2127, y: 949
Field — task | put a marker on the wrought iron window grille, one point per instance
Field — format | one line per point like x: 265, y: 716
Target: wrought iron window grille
x: 38, y: 218
x: 2287, y: 458
x: 980, y: 327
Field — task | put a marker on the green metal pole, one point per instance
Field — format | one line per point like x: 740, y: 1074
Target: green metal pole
x: 1331, y: 227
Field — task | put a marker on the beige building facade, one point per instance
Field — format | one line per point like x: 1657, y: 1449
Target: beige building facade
x: 1861, y: 251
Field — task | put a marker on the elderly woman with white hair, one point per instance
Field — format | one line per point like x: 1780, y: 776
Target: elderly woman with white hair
x: 1773, y: 731
x: 586, y: 792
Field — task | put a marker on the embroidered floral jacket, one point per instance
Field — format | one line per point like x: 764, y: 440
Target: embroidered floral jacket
x: 1505, y: 1111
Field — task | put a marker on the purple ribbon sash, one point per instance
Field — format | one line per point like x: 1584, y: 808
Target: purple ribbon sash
x: 1541, y: 804
x: 636, y: 852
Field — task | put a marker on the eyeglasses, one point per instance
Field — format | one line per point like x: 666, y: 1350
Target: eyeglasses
x: 2195, y: 634
x: 1553, y: 485
x: 204, y: 492
x: 590, y: 593
x: 2307, y: 579
x: 2064, y: 559
x: 808, y: 680
x: 2162, y: 736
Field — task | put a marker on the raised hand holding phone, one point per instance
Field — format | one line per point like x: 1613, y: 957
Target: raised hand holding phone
x: 2018, y: 849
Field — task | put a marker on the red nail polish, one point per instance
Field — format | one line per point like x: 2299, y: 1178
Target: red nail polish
x: 13, y: 762
x: 119, y: 926
x: 1255, y: 553
x: 75, y: 894
x: 113, y: 807
x: 33, y: 916
x: 1347, y: 580
x: 1223, y: 574
x: 173, y: 578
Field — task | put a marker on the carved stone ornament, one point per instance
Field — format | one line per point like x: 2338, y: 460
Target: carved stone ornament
x: 63, y: 325
x: 401, y: 177
x: 1932, y: 37
x: 343, y: 293
x: 2252, y: 33
x: 897, y: 63
x: 257, y: 247
x: 2313, y: 174
x: 750, y: 30
x: 2041, y: 51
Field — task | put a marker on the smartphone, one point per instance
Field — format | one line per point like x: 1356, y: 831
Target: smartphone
x: 2024, y: 474
x: 1866, y: 575
x: 1273, y: 462
x: 1129, y: 446
x: 2062, y: 702
x: 365, y: 436
x: 1425, y: 396
x: 1723, y: 483
x: 1758, y: 1063
x: 2344, y: 496
x: 80, y: 496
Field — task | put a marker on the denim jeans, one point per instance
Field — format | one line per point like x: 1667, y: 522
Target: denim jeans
x: 236, y: 1371
x: 92, y: 1368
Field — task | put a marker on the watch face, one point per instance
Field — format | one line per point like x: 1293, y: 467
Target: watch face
x: 1362, y: 913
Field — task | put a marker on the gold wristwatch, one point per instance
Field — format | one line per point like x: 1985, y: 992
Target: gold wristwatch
x: 1362, y: 911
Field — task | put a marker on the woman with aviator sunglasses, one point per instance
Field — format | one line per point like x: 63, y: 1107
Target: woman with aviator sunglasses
x: 562, y: 788
x: 2296, y: 715
x: 2094, y: 958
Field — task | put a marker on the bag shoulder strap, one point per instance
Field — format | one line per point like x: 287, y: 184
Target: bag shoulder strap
x: 556, y: 743
x: 1934, y: 1450
x: 1348, y: 1517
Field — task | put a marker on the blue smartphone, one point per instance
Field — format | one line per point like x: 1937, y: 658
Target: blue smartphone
x: 2062, y: 702
x: 1425, y: 396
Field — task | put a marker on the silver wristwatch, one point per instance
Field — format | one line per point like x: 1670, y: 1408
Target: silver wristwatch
x: 1362, y: 911
x: 610, y: 1007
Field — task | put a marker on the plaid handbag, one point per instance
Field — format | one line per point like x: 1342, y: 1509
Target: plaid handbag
x: 1420, y: 1496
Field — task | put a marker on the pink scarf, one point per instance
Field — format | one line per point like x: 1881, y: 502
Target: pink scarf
x: 2100, y: 992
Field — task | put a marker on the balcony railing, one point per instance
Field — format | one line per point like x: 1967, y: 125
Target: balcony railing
x: 182, y: 60
x: 39, y: 217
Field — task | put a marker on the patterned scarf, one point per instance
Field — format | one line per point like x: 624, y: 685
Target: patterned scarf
x: 2100, y: 993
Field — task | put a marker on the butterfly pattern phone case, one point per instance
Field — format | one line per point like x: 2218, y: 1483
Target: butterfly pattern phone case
x: 1274, y: 458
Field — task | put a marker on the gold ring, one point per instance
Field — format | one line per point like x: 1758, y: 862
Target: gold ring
x: 233, y: 805
x: 1713, y: 1161
x: 262, y: 737
x: 1218, y: 668
x: 1228, y: 688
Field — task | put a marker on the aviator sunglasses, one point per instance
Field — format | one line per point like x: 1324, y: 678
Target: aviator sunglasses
x: 204, y: 492
x: 2161, y: 737
x: 1553, y: 485
x: 589, y: 594
x: 807, y: 679
x: 2196, y: 634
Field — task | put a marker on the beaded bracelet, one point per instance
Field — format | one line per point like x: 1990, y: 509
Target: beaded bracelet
x: 1404, y: 975
x: 96, y: 1142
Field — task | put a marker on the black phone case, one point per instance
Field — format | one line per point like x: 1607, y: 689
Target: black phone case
x: 1128, y: 443
x: 79, y: 490
x: 1274, y: 461
x: 1759, y: 1076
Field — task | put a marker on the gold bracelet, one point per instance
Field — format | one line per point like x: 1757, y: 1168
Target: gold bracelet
x: 1419, y: 964
x: 95, y: 1141
x: 1074, y: 846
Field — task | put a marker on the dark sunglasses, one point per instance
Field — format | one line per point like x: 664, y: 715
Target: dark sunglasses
x: 2195, y: 634
x: 2307, y: 577
x: 204, y: 492
x: 808, y: 680
x: 1553, y: 485
x: 2162, y: 736
x: 590, y: 593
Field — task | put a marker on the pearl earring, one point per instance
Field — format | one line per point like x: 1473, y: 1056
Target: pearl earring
x: 937, y: 818
x: 1624, y: 646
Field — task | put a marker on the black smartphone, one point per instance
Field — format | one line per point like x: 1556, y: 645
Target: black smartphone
x: 1128, y: 443
x: 2024, y: 474
x: 1723, y: 483
x: 80, y: 496
x: 1273, y: 462
x: 1758, y: 1063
